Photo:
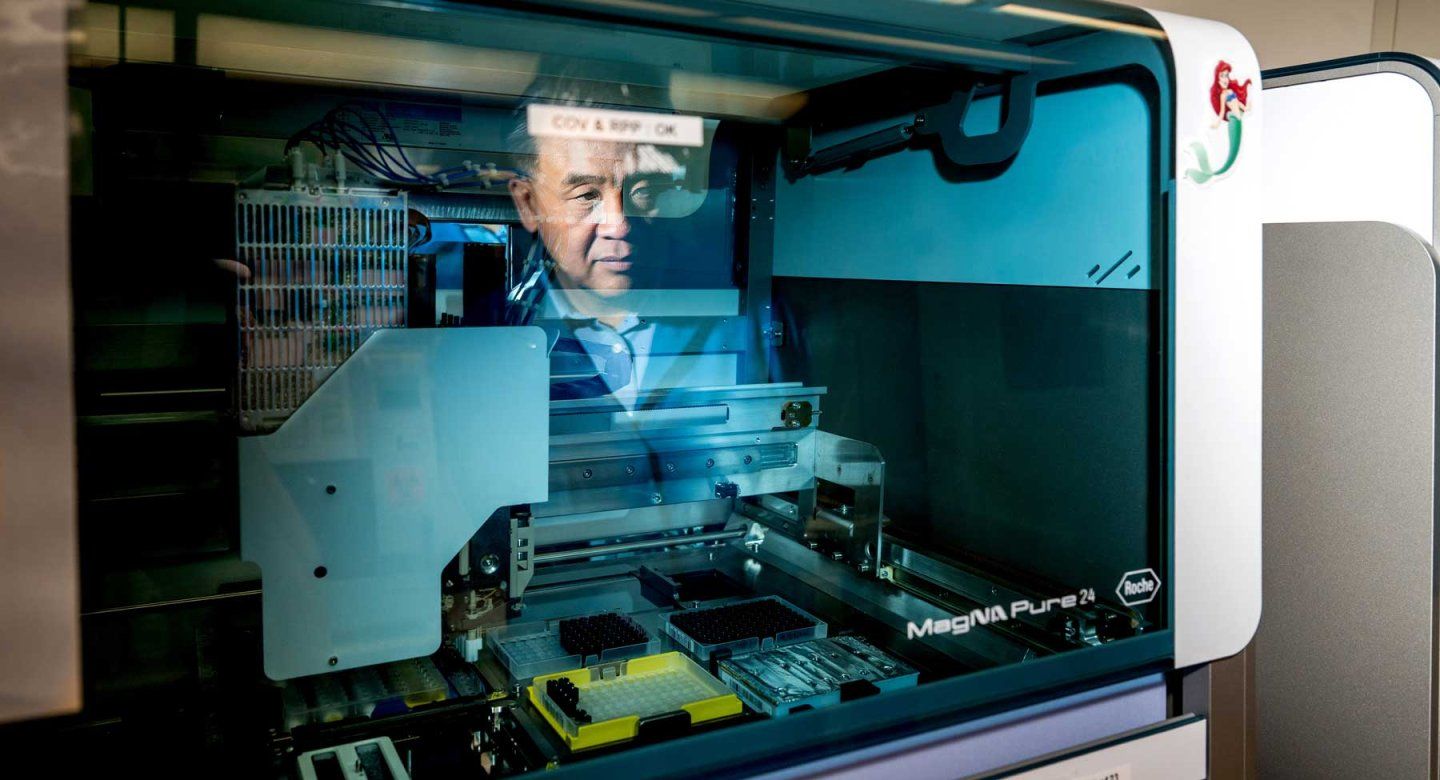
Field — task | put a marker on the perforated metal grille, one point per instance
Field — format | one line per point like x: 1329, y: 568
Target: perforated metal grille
x: 324, y: 272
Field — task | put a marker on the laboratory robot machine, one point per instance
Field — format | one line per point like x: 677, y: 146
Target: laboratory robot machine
x: 664, y: 388
x: 1344, y: 663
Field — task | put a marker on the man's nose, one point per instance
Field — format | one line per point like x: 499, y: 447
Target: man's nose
x: 613, y: 223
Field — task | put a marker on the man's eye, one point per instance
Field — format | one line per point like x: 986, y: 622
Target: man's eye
x: 588, y: 195
x: 643, y: 196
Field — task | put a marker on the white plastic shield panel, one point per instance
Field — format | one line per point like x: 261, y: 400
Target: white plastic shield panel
x: 353, y: 507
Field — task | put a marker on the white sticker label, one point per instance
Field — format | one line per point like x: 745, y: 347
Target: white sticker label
x: 595, y: 124
x: 1118, y: 773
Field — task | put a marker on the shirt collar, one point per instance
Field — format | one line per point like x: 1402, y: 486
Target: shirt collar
x: 555, y: 305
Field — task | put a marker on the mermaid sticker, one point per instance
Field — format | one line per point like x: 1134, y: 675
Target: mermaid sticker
x: 1230, y: 100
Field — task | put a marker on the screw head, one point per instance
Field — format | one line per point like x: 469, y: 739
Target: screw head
x: 333, y: 660
x: 330, y: 489
x: 586, y: 474
x: 656, y: 498
x: 490, y: 564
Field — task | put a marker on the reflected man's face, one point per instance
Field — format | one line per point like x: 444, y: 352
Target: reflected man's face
x: 581, y: 197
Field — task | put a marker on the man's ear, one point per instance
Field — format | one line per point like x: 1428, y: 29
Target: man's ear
x: 523, y: 193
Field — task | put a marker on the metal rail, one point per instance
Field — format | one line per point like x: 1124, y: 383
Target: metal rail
x: 609, y: 549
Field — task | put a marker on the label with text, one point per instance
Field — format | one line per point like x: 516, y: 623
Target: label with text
x: 1137, y: 587
x: 596, y: 124
x: 958, y: 624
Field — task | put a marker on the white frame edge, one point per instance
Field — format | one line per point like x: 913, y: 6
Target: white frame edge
x: 1217, y: 298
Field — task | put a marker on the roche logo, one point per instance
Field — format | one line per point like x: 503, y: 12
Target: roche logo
x: 1138, y: 587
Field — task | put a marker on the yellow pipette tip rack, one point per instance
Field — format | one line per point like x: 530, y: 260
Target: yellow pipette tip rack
x: 618, y: 701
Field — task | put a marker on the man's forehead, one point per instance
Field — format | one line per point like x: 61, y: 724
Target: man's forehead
x: 561, y: 157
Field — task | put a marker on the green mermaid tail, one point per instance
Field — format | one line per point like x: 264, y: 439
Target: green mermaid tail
x: 1203, y: 173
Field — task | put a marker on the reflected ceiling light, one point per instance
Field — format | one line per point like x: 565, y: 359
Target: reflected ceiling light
x: 717, y: 94
x: 234, y: 43
x: 647, y: 5
x: 97, y: 33
x: 890, y: 40
x: 1046, y: 14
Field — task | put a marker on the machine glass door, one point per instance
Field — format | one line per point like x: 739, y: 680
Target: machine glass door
x: 661, y: 387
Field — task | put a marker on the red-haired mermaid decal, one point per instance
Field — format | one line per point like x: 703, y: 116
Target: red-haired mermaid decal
x: 1229, y: 99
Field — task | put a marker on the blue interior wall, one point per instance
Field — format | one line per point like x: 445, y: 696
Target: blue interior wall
x: 1077, y: 196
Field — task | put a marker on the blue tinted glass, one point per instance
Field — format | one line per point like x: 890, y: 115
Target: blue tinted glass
x: 705, y: 396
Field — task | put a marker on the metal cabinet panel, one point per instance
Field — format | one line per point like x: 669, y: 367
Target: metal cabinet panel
x: 1344, y: 669
x: 39, y: 616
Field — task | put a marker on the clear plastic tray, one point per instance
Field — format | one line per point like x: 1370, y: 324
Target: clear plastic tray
x: 363, y: 692
x: 676, y: 624
x: 535, y: 648
x: 813, y: 674
x: 620, y: 698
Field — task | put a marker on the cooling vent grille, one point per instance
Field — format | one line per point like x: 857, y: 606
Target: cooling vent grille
x: 324, y: 272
